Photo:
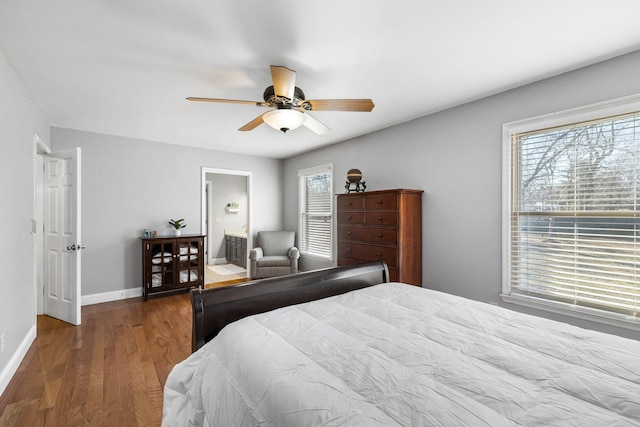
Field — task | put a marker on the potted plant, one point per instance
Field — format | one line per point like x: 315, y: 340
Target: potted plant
x: 177, y: 224
x: 232, y: 207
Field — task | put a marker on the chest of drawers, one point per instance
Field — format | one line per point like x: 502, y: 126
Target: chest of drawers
x: 382, y: 225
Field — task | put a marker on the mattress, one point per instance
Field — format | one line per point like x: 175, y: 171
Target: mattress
x: 399, y: 355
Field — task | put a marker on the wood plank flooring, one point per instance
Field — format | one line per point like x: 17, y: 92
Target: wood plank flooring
x: 226, y: 283
x: 110, y: 371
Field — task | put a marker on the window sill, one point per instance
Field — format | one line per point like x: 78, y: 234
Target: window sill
x: 316, y: 257
x: 585, y: 313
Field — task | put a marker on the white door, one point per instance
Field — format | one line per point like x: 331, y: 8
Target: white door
x: 62, y: 244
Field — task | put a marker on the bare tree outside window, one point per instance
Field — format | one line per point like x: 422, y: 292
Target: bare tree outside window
x: 575, y: 220
x: 590, y: 167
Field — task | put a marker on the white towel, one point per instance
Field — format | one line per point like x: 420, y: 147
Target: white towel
x: 162, y: 258
x: 156, y: 280
x: 188, y: 275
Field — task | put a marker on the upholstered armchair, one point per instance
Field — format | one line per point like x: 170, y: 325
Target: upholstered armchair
x: 274, y: 255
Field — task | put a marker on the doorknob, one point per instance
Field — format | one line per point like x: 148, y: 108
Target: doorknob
x: 76, y: 248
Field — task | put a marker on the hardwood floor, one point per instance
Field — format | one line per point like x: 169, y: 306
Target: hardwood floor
x: 110, y: 371
x: 226, y: 283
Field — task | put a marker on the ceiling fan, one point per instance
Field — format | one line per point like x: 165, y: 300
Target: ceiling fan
x: 289, y: 106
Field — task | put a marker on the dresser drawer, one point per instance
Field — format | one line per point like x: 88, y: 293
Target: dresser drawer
x: 382, y: 236
x: 386, y: 219
x: 350, y: 203
x: 363, y: 252
x: 348, y: 217
x: 386, y: 202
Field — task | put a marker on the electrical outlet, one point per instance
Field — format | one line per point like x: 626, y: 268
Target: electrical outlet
x: 2, y: 343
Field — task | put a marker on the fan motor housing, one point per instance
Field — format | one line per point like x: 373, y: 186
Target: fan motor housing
x: 269, y: 96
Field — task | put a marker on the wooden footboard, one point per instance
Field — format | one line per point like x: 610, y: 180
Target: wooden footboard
x: 214, y: 308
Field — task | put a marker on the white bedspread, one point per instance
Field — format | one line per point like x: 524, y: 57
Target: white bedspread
x: 395, y: 354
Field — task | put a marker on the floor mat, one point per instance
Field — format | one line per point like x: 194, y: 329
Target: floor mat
x: 226, y: 269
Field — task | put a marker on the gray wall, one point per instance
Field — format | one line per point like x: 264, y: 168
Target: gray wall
x: 131, y: 184
x: 455, y: 157
x: 19, y: 119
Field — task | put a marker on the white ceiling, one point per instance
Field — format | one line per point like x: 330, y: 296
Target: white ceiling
x: 125, y: 67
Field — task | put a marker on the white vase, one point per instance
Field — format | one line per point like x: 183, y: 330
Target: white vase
x: 177, y: 231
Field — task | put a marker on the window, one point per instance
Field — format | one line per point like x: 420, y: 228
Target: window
x: 316, y: 205
x: 572, y: 213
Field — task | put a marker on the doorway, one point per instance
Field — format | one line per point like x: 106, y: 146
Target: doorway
x: 226, y: 223
x: 56, y: 228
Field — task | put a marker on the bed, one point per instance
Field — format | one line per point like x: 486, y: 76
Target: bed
x: 344, y: 347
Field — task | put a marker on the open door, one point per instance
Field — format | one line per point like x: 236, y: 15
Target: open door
x: 62, y: 243
x: 212, y: 199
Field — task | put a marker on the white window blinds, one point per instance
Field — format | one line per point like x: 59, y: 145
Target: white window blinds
x: 575, y: 214
x: 316, y: 206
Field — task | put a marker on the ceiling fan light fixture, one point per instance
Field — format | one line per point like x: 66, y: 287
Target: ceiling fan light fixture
x: 290, y: 106
x: 284, y: 119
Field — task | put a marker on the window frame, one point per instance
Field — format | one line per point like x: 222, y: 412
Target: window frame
x: 302, y: 175
x: 596, y: 111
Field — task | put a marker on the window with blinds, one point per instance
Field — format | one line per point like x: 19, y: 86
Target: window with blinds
x: 316, y: 207
x: 574, y: 216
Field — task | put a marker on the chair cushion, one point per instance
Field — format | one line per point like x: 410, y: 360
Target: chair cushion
x: 274, y: 261
x: 276, y: 242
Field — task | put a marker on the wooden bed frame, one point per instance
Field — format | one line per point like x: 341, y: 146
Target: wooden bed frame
x: 214, y: 308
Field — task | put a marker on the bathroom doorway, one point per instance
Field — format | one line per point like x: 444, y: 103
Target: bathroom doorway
x: 226, y: 222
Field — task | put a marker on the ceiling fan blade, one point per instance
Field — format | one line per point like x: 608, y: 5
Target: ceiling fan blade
x: 284, y: 81
x: 364, y: 105
x: 253, y: 123
x: 315, y: 125
x: 228, y: 101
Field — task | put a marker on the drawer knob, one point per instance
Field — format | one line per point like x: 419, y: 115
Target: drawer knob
x: 349, y: 217
x: 379, y: 255
x: 348, y: 249
x: 379, y: 234
x: 349, y: 233
x: 379, y: 218
x: 350, y: 203
x: 379, y: 202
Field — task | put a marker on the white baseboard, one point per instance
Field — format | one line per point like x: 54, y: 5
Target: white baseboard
x: 216, y: 261
x: 9, y: 371
x: 111, y: 296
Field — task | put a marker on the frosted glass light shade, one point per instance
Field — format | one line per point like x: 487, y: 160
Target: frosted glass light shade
x: 284, y: 120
